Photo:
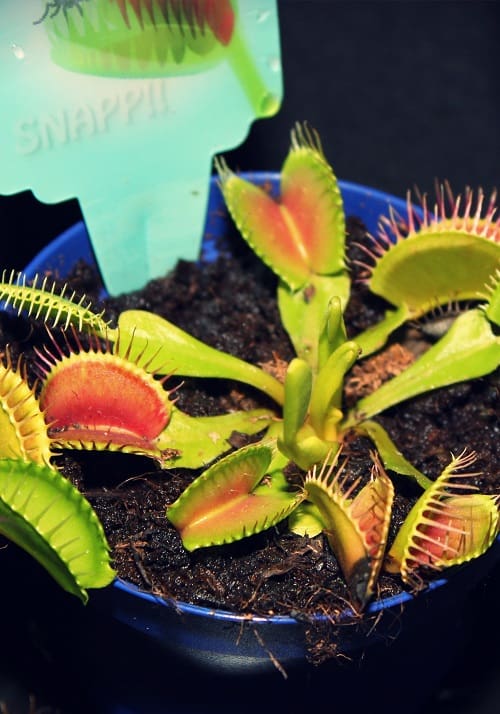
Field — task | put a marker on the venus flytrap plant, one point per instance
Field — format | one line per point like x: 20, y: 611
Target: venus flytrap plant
x: 416, y: 264
x: 43, y: 513
x: 92, y: 397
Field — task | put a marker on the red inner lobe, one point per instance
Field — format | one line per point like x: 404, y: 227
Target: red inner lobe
x: 303, y: 195
x: 271, y: 235
x: 440, y: 541
x: 104, y: 397
x: 217, y: 14
x: 220, y: 18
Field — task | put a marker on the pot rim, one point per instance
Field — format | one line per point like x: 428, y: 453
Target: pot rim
x: 186, y: 608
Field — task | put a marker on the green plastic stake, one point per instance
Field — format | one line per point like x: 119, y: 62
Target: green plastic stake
x: 123, y: 104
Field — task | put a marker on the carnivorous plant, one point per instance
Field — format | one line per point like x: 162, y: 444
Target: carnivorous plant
x: 110, y: 390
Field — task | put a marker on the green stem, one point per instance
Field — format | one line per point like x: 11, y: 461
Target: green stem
x: 264, y: 103
x: 375, y: 337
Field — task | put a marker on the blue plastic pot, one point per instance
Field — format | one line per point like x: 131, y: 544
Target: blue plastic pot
x: 228, y: 642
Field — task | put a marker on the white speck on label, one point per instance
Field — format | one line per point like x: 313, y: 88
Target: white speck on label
x: 17, y: 51
x: 274, y: 64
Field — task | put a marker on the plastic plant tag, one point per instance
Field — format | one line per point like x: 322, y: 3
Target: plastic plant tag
x: 122, y: 104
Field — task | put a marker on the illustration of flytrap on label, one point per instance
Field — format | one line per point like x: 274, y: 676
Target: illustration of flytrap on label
x: 123, y: 104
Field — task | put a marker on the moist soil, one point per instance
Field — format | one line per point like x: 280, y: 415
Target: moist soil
x: 230, y: 304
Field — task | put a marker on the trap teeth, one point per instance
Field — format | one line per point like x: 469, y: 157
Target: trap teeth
x: 138, y: 39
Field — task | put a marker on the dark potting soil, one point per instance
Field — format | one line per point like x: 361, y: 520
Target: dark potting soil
x: 231, y: 305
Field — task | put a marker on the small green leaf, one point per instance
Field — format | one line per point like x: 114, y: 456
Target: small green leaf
x: 298, y: 440
x: 326, y: 399
x: 194, y: 442
x: 334, y: 332
x: 298, y: 386
x: 162, y: 348
x: 46, y: 515
x: 224, y: 504
x: 307, y: 449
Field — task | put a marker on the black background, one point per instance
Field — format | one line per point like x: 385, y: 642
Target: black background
x: 401, y: 93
